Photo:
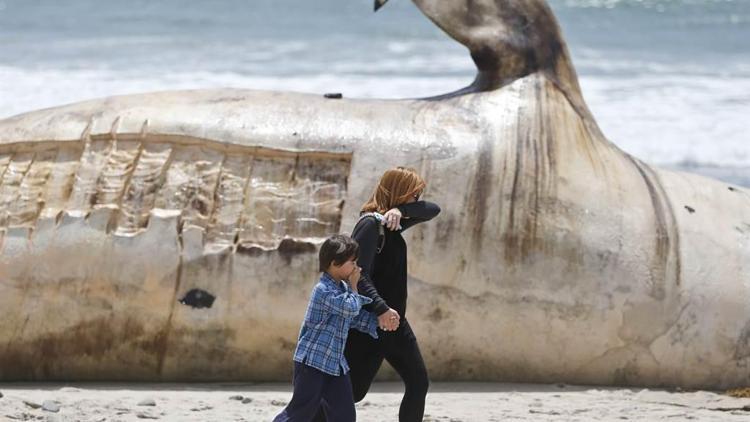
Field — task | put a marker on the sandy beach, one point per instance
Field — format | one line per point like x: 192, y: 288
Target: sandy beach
x: 448, y: 402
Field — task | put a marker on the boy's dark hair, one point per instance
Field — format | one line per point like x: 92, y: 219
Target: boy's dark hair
x: 337, y: 249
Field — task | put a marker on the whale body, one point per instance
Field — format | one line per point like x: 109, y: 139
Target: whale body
x: 173, y: 236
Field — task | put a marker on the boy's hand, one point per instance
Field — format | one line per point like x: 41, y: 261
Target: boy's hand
x: 354, y: 278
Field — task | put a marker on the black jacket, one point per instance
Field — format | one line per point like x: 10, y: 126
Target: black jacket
x: 383, y: 277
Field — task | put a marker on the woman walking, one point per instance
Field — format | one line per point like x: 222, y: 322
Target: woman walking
x: 393, y: 208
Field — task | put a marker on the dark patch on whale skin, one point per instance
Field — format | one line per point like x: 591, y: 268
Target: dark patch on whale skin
x: 287, y: 249
x: 250, y: 250
x: 533, y: 183
x: 437, y: 314
x: 445, y: 227
x: 481, y: 188
x: 667, y: 234
x: 742, y: 347
x: 198, y: 299
x: 39, y: 359
x: 119, y: 349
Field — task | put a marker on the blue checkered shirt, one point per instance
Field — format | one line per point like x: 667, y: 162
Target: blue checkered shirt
x: 333, y: 309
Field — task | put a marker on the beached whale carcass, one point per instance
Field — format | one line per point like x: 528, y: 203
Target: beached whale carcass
x: 173, y: 235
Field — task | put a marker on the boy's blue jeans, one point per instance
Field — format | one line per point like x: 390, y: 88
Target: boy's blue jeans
x: 313, y: 388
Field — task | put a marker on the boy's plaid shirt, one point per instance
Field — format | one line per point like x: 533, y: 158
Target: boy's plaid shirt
x: 333, y: 309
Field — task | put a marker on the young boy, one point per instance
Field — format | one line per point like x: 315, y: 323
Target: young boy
x: 321, y: 373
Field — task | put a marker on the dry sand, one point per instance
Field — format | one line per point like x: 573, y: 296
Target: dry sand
x: 446, y: 402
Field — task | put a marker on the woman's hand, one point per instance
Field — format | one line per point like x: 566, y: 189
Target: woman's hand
x: 393, y: 219
x: 389, y: 320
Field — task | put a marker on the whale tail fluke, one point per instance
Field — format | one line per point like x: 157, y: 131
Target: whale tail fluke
x: 379, y: 4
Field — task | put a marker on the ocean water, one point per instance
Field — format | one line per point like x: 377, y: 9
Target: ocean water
x: 667, y: 80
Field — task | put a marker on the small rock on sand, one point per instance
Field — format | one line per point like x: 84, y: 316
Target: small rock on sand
x: 147, y: 402
x: 32, y: 404
x: 236, y: 398
x: 51, y: 406
x: 247, y: 400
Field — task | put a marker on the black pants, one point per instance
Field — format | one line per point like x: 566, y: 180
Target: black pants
x: 313, y: 388
x: 365, y: 355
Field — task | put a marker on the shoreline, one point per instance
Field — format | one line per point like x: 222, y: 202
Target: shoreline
x: 739, y: 176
